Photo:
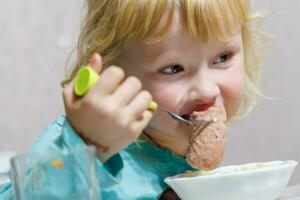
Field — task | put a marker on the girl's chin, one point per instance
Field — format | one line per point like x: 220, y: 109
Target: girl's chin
x: 173, y: 131
x: 183, y: 136
x: 185, y: 131
x: 181, y: 131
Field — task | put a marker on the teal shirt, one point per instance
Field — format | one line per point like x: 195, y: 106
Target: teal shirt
x: 136, y: 173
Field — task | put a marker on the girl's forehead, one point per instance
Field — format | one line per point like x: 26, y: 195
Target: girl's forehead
x: 178, y: 36
x: 222, y: 26
x: 180, y: 40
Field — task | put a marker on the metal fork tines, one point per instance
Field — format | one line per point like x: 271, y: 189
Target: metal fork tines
x: 187, y: 121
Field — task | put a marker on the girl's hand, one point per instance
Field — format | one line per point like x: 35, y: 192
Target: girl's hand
x: 113, y: 113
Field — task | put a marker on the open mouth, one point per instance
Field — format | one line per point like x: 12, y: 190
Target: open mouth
x: 186, y: 116
x: 199, y: 108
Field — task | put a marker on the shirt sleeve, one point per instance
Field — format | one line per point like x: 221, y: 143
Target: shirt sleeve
x: 61, y: 135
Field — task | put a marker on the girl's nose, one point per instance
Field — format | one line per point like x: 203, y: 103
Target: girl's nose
x: 204, y: 89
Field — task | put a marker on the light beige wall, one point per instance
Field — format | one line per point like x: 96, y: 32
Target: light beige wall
x: 37, y: 35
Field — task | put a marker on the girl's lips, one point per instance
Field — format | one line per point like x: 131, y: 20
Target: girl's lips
x: 203, y: 107
x: 199, y: 108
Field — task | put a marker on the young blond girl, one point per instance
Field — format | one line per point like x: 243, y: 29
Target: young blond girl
x: 186, y: 55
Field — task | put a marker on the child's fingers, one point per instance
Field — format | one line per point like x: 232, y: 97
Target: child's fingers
x: 96, y: 62
x: 109, y: 81
x: 139, y: 104
x: 69, y: 95
x: 140, y: 125
x: 127, y: 90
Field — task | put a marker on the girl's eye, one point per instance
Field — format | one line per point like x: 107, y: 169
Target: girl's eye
x: 172, y: 69
x: 223, y: 58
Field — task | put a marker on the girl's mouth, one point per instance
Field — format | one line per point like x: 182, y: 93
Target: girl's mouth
x: 186, y: 116
x: 199, y: 108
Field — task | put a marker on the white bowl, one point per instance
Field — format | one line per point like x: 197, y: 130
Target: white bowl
x: 253, y: 181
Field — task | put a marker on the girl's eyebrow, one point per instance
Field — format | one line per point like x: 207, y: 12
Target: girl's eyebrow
x: 232, y: 44
x: 164, y: 56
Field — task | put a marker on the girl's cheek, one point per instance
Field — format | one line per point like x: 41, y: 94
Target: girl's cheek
x: 165, y: 94
x: 167, y: 99
x: 233, y: 92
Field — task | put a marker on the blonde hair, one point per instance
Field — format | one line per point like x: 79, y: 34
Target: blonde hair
x: 111, y: 25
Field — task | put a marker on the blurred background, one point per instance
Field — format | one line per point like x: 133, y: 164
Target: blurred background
x: 37, y: 36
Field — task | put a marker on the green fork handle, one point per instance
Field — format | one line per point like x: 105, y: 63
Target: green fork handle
x: 86, y: 78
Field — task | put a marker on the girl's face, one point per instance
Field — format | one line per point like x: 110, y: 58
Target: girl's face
x: 183, y: 75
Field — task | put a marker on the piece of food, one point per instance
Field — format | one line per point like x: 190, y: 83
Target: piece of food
x: 198, y: 173
x: 236, y: 169
x: 208, y: 141
x: 58, y: 164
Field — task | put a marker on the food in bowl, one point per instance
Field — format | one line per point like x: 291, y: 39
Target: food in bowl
x: 232, y: 169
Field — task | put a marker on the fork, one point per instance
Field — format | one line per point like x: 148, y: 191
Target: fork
x: 87, y: 78
x: 187, y: 121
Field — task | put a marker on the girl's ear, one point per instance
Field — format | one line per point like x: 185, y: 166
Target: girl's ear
x: 96, y: 62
